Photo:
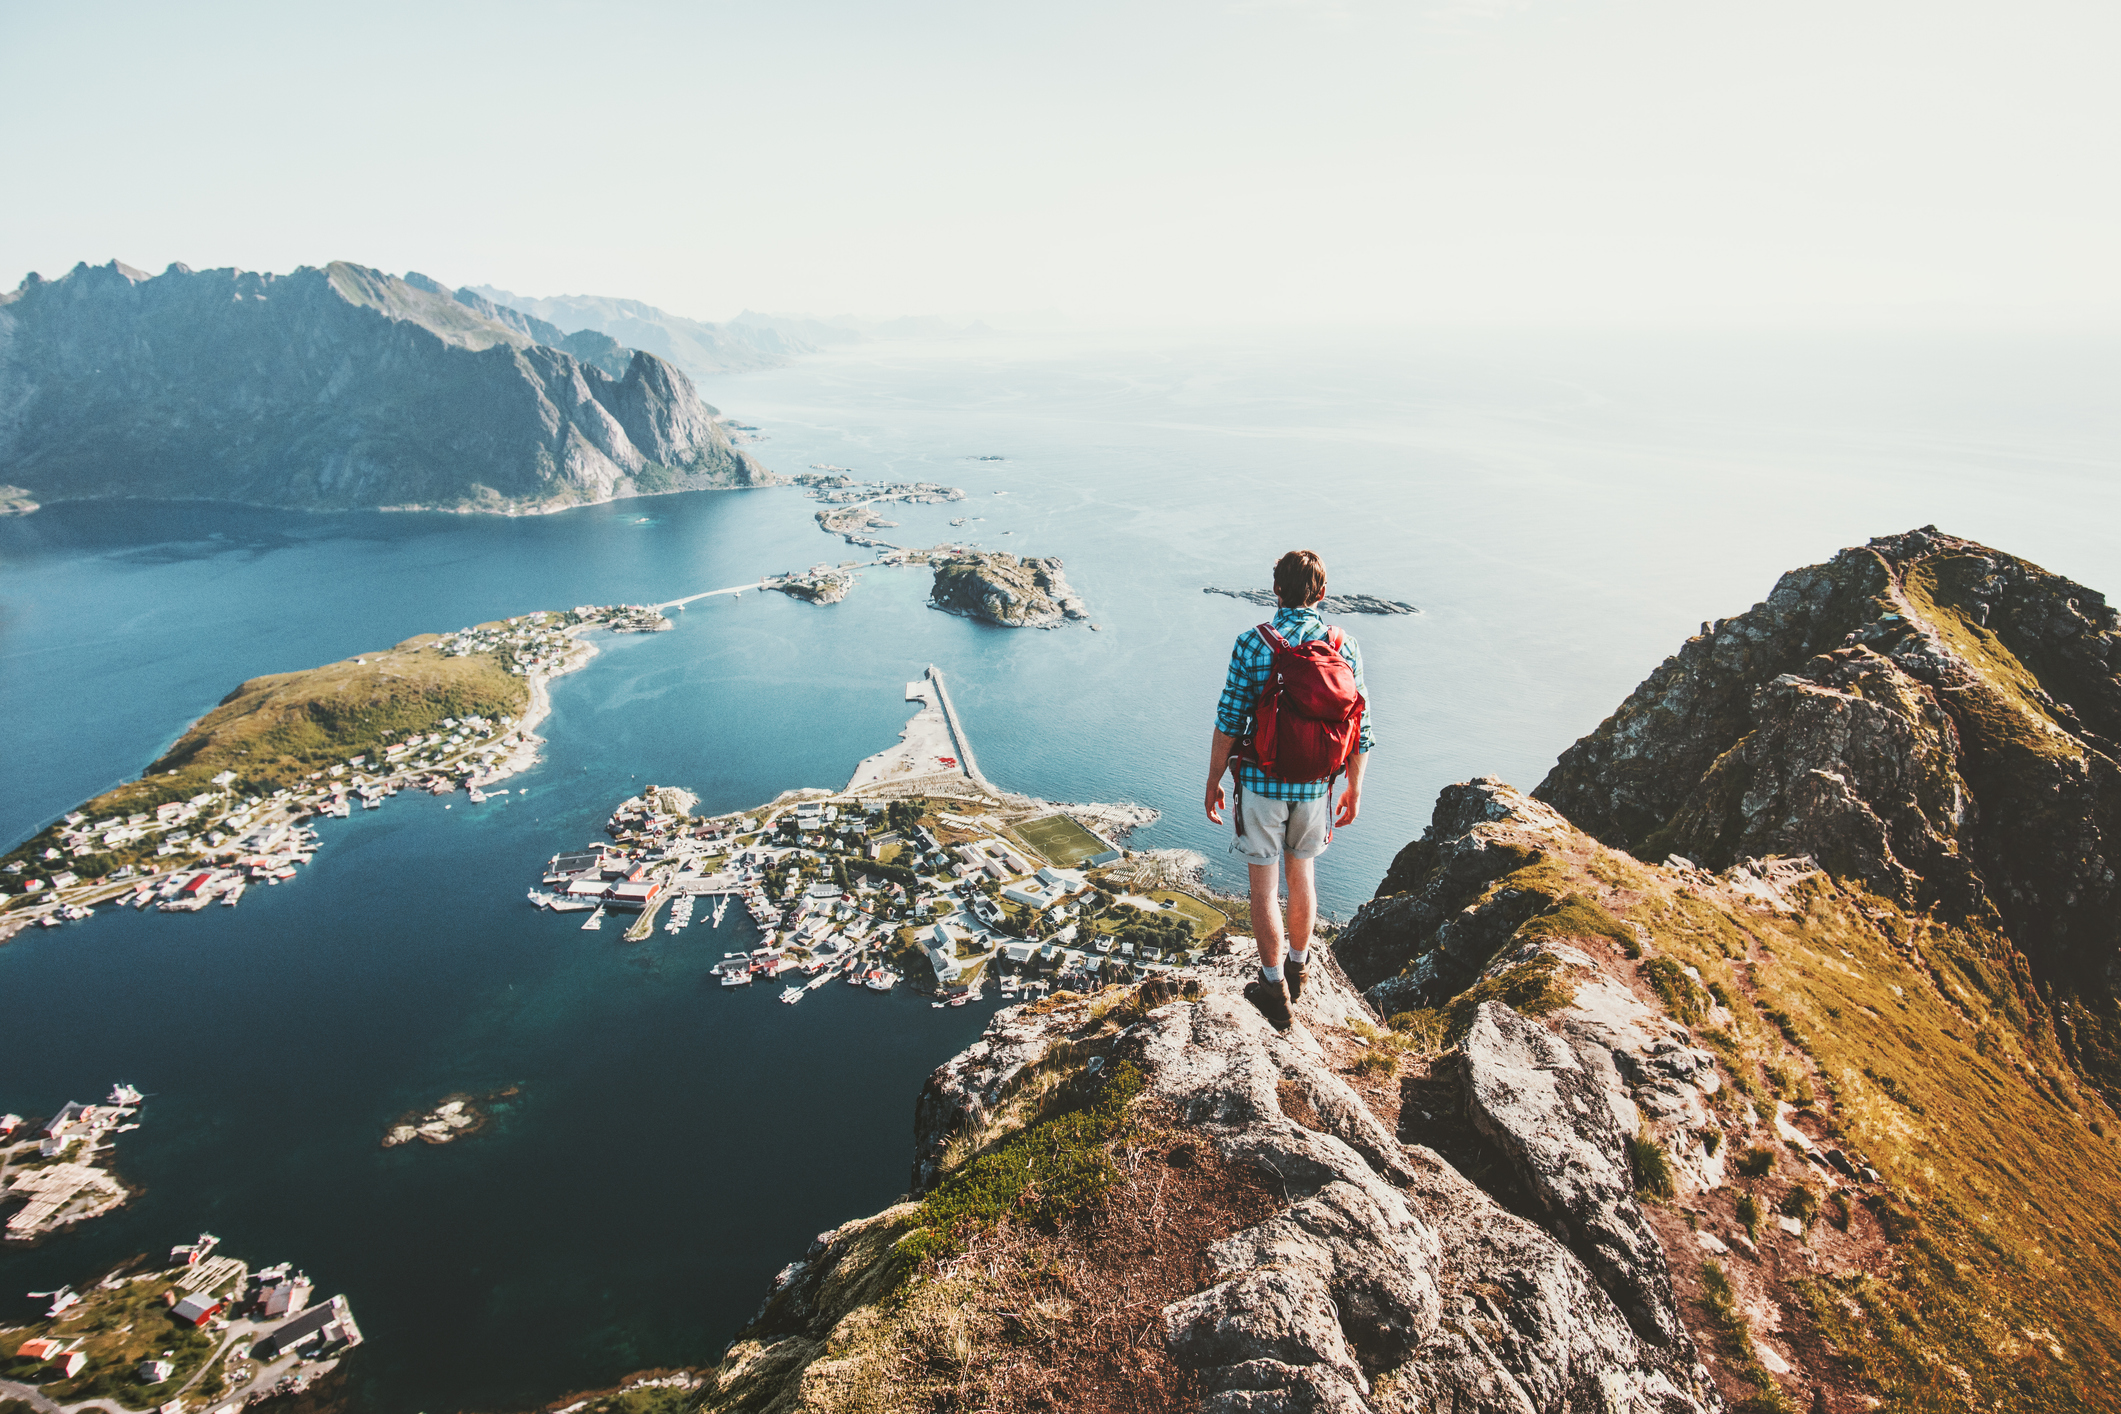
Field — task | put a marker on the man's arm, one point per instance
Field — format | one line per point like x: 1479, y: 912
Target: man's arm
x: 1351, y: 796
x: 1240, y: 692
x: 1219, y: 749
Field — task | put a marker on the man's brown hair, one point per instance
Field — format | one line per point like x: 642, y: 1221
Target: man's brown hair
x: 1299, y: 579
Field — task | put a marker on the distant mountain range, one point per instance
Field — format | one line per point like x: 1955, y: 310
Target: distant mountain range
x: 339, y: 387
x: 751, y: 340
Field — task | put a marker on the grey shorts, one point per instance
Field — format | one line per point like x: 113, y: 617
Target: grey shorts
x: 1274, y: 828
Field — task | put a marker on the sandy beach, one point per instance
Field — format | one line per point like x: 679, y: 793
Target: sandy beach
x: 921, y: 750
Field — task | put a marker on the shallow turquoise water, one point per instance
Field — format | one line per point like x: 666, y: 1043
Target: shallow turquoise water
x: 1563, y: 513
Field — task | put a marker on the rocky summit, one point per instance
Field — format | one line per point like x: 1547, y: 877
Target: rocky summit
x: 1930, y: 717
x: 333, y: 388
x: 1741, y: 1069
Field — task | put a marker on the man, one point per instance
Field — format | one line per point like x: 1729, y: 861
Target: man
x: 1281, y: 820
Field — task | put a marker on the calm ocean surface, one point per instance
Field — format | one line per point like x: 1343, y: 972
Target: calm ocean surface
x: 1563, y: 511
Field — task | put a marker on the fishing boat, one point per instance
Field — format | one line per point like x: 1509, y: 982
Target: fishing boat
x: 539, y: 898
x: 740, y: 977
x: 595, y: 921
x: 123, y: 1094
x: 878, y: 980
x: 791, y: 995
x: 961, y: 998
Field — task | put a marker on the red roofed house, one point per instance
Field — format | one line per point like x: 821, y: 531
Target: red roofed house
x: 196, y: 1310
x: 42, y: 1348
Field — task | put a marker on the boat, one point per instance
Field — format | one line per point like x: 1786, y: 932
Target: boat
x: 791, y: 995
x: 595, y: 920
x: 960, y: 999
x: 879, y: 980
x: 478, y: 797
x: 234, y: 894
x: 123, y: 1094
x: 541, y: 899
x: 739, y: 978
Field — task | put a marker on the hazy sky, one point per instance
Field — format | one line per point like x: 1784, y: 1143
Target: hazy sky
x: 1698, y: 161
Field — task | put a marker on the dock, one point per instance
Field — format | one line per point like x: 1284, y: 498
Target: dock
x: 957, y: 731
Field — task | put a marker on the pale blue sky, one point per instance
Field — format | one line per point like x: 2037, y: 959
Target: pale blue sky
x: 1661, y: 160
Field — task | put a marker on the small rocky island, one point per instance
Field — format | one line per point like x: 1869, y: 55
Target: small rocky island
x: 1332, y: 603
x: 998, y: 588
x: 455, y: 1117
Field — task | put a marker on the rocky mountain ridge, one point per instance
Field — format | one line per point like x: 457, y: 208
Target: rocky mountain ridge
x: 1756, y: 1132
x: 1934, y: 718
x: 330, y: 388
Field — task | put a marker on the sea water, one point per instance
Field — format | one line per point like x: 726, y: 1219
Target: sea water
x: 1563, y: 511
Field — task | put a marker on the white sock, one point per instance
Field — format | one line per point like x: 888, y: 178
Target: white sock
x: 1270, y: 974
x: 1300, y: 956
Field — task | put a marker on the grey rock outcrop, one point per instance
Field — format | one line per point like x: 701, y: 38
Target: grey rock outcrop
x: 1526, y: 1090
x: 330, y: 388
x: 1386, y: 1281
x: 1438, y: 916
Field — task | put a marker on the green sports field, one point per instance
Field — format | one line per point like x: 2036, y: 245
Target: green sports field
x: 1061, y: 840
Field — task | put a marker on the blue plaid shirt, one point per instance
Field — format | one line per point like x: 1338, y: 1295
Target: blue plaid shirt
x: 1251, y: 661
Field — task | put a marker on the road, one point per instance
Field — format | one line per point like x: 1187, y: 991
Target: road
x: 709, y: 594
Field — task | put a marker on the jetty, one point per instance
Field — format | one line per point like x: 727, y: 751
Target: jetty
x: 957, y: 732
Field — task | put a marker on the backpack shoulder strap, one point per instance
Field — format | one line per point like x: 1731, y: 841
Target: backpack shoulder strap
x: 1333, y: 637
x: 1273, y: 640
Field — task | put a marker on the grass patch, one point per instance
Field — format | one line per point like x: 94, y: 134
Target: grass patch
x: 1737, y: 1339
x: 1581, y: 916
x: 1683, y: 997
x: 1533, y: 988
x: 1038, y: 1174
x: 1653, y: 1170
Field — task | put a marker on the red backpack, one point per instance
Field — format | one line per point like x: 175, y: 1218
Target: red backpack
x: 1309, y: 717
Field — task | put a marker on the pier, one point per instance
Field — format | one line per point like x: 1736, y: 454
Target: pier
x: 957, y: 731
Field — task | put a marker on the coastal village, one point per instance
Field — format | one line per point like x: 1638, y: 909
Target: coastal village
x: 52, y: 1167
x: 186, y: 853
x: 205, y: 1332
x: 920, y: 871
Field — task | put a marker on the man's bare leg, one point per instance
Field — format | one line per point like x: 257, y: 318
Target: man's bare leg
x: 1303, y: 908
x: 1266, y: 911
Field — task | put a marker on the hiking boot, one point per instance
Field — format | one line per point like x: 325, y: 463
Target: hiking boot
x: 1272, y: 999
x: 1294, y: 976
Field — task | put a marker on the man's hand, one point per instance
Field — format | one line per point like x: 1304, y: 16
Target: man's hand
x: 1350, y: 802
x: 1219, y: 749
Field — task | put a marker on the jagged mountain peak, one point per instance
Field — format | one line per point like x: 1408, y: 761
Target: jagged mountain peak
x: 1925, y: 714
x: 333, y: 386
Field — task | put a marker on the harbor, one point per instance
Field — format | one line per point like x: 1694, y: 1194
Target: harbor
x: 920, y: 872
